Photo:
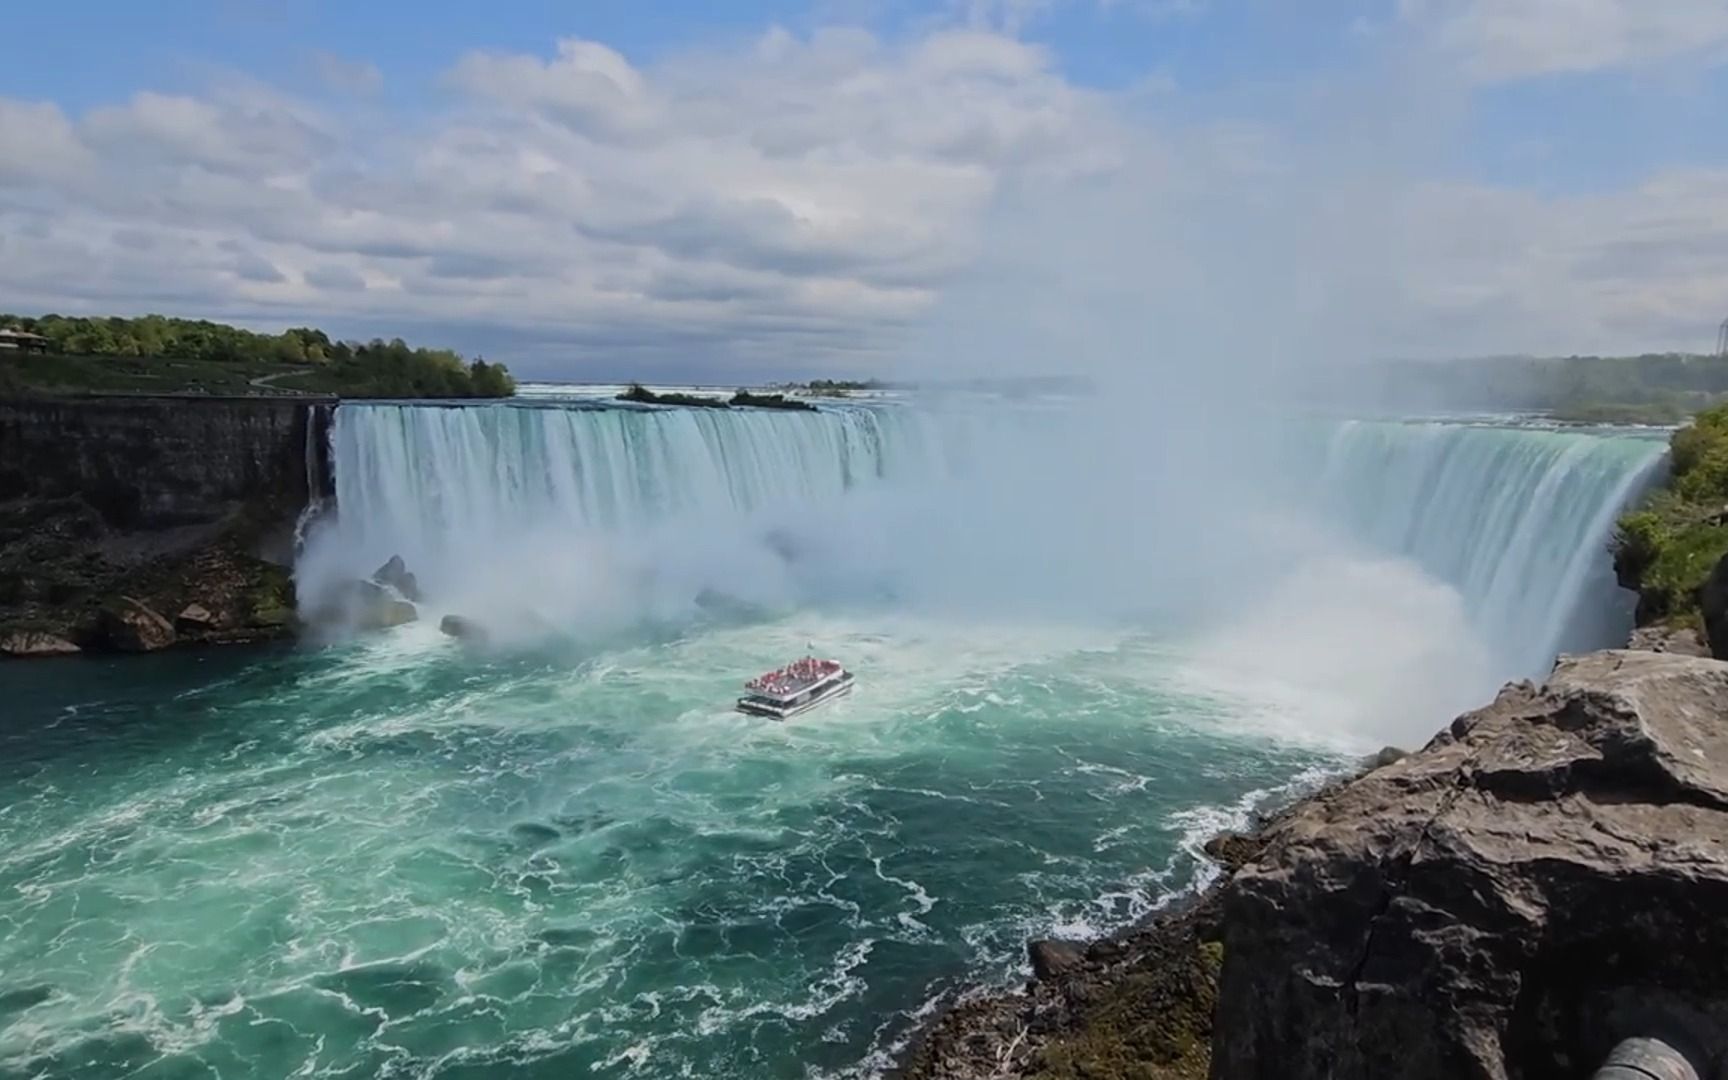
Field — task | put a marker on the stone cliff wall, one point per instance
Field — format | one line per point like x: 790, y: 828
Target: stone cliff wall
x: 133, y: 524
x: 151, y: 463
x: 1546, y: 878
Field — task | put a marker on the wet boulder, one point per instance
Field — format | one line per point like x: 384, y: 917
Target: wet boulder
x: 194, y: 619
x: 1052, y: 958
x: 34, y: 643
x: 396, y: 575
x: 364, y: 605
x: 130, y: 625
x: 464, y: 629
x: 1232, y: 851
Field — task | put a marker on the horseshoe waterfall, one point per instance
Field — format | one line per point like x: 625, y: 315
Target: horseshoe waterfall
x: 559, y: 851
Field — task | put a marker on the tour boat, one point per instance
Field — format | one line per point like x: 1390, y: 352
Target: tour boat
x: 796, y: 688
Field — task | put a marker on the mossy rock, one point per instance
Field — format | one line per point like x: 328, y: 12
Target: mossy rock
x: 270, y: 601
x: 1153, y: 1023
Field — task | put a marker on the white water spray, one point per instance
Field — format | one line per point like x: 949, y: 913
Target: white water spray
x: 596, y: 518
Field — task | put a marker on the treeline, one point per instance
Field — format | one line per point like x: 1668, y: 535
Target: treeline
x: 392, y: 369
x: 638, y: 394
x: 1654, y: 386
x: 376, y: 368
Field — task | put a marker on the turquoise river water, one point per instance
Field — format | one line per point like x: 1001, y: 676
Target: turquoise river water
x: 395, y: 856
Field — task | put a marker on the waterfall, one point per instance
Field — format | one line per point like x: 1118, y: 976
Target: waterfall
x: 993, y: 501
x: 561, y: 507
x: 1516, y: 519
x: 412, y: 478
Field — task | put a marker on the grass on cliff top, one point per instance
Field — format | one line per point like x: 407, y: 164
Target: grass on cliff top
x: 57, y: 373
x: 1670, y: 545
x: 408, y: 376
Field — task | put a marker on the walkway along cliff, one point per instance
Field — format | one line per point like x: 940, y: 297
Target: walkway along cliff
x: 133, y: 524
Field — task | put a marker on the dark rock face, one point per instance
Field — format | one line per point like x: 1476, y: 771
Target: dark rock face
x: 1544, y: 879
x: 1713, y: 601
x: 130, y: 625
x: 185, y: 506
x: 146, y: 463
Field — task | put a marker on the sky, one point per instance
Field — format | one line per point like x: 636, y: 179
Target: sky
x: 682, y: 189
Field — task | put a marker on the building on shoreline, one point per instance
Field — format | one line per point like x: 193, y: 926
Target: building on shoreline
x: 22, y: 341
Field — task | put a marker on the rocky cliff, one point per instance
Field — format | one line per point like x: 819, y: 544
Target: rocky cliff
x: 1547, y: 877
x: 137, y: 523
x: 151, y: 463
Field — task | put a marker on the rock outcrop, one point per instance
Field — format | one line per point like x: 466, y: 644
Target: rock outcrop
x: 1682, y: 640
x: 130, y: 625
x: 1133, y: 1007
x: 1052, y: 959
x: 153, y: 463
x: 1713, y: 603
x: 396, y: 575
x: 186, y: 507
x: 370, y: 606
x: 26, y: 644
x: 1547, y: 877
x: 464, y: 629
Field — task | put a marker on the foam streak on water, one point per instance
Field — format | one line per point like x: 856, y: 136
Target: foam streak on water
x: 383, y: 859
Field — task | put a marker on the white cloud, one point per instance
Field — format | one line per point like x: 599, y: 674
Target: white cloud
x: 802, y: 201
x: 587, y: 86
x: 37, y: 143
x: 346, y: 75
x: 1505, y: 39
x: 789, y: 200
x: 1013, y: 16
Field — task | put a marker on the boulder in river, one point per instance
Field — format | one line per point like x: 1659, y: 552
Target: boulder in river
x: 130, y: 625
x: 1052, y: 959
x: 396, y: 575
x: 365, y: 605
x: 194, y: 618
x: 1546, y: 878
x: 34, y: 643
x: 464, y: 629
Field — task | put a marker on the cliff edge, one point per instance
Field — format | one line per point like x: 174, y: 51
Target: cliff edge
x: 134, y: 524
x: 1546, y: 877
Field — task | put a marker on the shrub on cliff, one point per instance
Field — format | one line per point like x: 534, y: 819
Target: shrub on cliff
x: 12, y: 385
x: 1667, y: 548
